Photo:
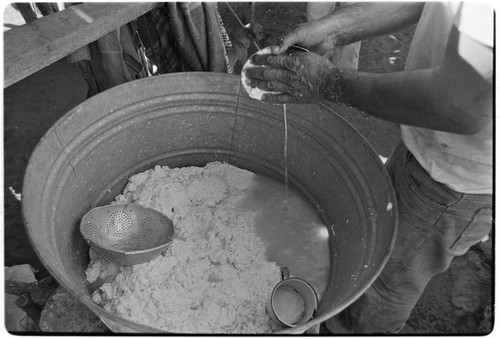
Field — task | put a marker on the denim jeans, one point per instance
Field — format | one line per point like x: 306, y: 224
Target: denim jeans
x: 436, y: 224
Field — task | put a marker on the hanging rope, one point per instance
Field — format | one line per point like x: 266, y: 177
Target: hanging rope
x: 253, y: 12
x: 234, y: 14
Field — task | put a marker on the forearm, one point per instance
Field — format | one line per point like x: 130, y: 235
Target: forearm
x: 396, y: 97
x: 417, y: 98
x: 368, y: 19
x: 451, y: 97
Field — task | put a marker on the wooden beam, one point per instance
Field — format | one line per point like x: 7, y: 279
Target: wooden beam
x: 33, y: 46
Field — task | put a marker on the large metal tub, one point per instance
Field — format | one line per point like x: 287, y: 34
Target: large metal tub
x: 183, y: 119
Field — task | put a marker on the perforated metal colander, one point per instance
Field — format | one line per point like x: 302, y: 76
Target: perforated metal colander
x: 127, y: 234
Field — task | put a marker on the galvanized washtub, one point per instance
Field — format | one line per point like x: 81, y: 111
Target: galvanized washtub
x: 184, y: 119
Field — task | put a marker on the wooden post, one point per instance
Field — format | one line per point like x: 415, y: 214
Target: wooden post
x: 33, y: 46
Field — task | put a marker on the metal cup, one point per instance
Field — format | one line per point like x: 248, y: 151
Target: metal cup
x: 293, y: 301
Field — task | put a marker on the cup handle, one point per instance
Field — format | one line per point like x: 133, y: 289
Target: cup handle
x: 285, y: 273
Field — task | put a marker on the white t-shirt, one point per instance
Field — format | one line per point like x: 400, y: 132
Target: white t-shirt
x: 462, y: 162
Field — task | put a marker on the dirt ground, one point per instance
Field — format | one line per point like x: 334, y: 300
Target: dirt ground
x: 458, y: 301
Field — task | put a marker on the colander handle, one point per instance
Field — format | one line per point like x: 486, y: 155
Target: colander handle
x: 285, y: 273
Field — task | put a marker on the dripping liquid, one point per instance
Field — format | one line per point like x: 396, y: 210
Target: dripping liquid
x: 285, y: 151
x: 295, y: 237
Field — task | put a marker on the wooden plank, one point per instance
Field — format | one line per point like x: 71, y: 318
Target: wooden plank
x: 33, y: 46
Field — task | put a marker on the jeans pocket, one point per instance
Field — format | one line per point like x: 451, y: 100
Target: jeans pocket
x: 428, y: 190
x: 479, y: 226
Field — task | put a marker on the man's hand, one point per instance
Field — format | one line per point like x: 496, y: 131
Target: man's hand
x: 302, y: 77
x: 306, y: 34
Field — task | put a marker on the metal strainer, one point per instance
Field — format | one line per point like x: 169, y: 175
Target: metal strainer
x: 128, y: 234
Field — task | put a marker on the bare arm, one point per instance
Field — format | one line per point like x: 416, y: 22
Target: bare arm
x: 452, y: 97
x: 353, y: 23
x: 444, y: 98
